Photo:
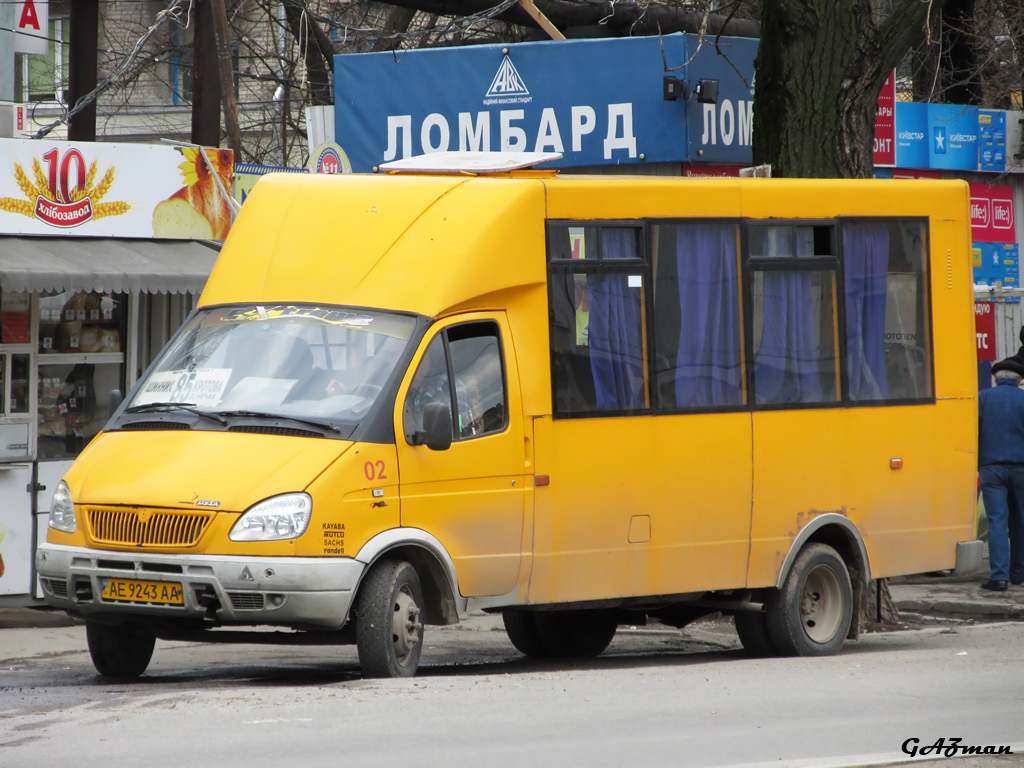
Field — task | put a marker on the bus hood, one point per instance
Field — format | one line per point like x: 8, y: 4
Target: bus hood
x: 226, y: 471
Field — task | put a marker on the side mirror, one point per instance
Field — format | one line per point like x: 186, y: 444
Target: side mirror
x: 437, y: 424
x: 114, y: 400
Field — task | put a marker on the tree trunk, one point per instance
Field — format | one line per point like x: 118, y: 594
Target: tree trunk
x: 875, y: 594
x: 819, y: 70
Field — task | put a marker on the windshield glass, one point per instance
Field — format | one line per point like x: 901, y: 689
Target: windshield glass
x: 298, y: 361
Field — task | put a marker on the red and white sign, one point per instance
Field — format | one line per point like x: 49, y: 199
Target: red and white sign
x: 710, y: 171
x: 885, y: 124
x: 31, y: 26
x: 985, y: 329
x: 992, y: 219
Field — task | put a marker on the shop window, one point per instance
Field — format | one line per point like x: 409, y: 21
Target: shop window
x: 793, y: 300
x: 73, y: 322
x: 74, y: 404
x: 81, y: 361
x: 471, y: 353
x: 887, y: 345
x: 596, y: 282
x: 698, y: 358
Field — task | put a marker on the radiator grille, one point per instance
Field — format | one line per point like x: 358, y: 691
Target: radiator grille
x: 147, y: 527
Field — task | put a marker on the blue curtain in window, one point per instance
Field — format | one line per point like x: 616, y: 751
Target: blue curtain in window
x: 708, y: 361
x: 614, y: 331
x: 866, y: 266
x: 786, y: 366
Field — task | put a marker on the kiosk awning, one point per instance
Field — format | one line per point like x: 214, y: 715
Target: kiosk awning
x: 37, y: 264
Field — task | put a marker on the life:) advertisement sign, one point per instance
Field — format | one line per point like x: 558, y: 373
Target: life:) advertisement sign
x: 112, y: 190
x: 992, y: 218
x: 597, y: 102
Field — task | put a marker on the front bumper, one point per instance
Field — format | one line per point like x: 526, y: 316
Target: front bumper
x: 302, y: 592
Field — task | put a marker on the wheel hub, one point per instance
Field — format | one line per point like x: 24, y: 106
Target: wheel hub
x: 405, y: 625
x: 821, y: 604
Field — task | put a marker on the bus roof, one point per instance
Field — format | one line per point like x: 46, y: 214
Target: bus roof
x: 435, y: 244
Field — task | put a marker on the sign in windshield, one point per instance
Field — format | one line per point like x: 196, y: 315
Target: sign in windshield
x: 291, y: 360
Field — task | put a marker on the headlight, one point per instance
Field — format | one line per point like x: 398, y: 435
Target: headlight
x: 274, y: 519
x: 62, y: 510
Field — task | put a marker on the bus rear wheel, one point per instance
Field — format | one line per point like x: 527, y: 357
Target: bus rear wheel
x: 811, y: 614
x: 521, y: 628
x: 752, y: 629
x: 576, y: 634
x: 389, y: 627
x: 119, y: 650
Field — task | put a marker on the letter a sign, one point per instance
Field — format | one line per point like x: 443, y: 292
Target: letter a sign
x: 31, y: 26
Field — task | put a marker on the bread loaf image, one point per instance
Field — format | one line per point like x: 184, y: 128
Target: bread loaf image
x: 198, y: 209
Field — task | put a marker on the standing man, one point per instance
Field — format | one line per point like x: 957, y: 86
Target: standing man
x: 1001, y: 470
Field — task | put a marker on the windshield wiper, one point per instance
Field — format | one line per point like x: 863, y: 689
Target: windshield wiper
x: 264, y: 415
x: 190, y: 407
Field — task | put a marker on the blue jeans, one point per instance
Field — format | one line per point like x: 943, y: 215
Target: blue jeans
x: 1002, y: 487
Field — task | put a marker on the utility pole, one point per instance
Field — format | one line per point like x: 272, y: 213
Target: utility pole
x: 227, y: 80
x: 82, y: 59
x: 205, y: 80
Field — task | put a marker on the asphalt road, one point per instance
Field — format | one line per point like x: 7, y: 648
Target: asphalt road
x: 656, y: 698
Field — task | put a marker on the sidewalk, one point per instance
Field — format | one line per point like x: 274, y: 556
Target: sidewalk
x: 959, y: 597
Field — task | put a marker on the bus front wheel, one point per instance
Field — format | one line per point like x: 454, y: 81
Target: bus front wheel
x: 811, y: 614
x: 119, y: 650
x: 389, y: 627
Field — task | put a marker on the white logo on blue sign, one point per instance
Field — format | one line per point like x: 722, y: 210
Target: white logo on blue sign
x: 507, y: 81
x: 940, y: 140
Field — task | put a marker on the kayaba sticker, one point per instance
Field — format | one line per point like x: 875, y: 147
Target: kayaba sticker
x: 66, y: 195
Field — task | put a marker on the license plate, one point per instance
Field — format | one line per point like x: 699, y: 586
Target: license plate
x: 136, y: 591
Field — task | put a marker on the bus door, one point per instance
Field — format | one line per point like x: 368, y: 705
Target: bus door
x: 470, y: 496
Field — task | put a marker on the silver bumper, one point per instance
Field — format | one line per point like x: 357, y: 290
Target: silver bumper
x: 283, y: 591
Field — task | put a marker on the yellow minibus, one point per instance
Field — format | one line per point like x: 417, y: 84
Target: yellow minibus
x: 578, y: 401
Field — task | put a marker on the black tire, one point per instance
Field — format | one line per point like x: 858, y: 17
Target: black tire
x: 521, y: 627
x: 389, y: 632
x: 811, y: 614
x: 121, y: 650
x: 576, y: 634
x: 753, y: 631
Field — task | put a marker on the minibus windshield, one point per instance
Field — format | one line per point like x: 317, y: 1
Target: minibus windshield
x: 315, y: 363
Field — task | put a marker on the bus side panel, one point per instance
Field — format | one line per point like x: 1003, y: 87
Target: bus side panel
x: 640, y: 506
x: 811, y: 462
x: 913, y: 517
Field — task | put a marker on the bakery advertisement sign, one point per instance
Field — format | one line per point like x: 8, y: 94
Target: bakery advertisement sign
x: 114, y: 190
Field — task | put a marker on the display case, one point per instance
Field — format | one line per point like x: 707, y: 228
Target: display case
x: 80, y: 362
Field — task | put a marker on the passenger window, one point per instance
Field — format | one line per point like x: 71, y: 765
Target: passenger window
x: 793, y: 302
x: 597, y: 305
x: 887, y: 345
x: 698, y: 318
x: 475, y: 358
